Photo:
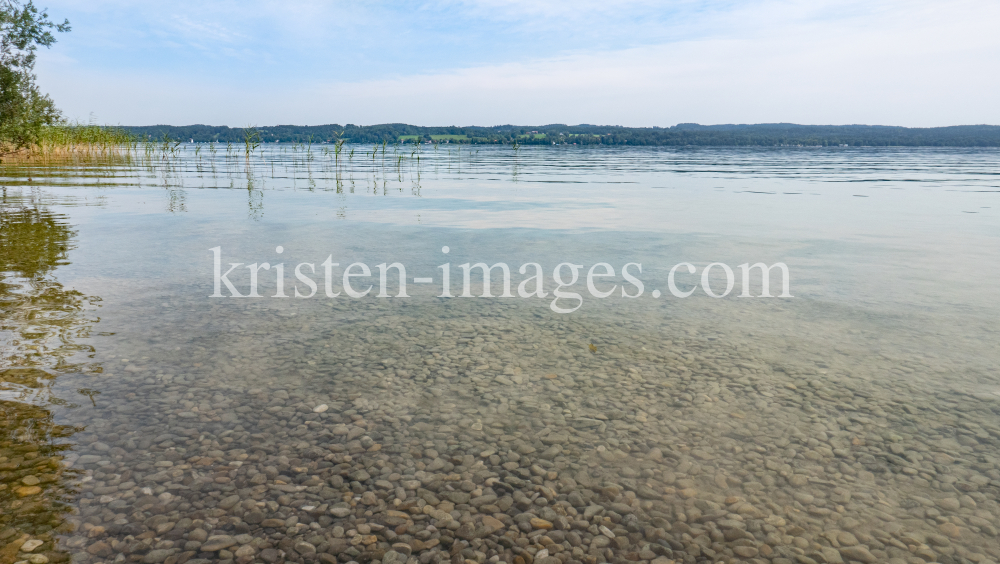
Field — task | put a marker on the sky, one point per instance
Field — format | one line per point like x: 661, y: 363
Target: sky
x: 916, y: 63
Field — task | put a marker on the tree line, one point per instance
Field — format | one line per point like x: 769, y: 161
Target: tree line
x: 754, y: 135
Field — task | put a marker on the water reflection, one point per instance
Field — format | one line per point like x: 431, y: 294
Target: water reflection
x: 176, y: 201
x: 40, y: 321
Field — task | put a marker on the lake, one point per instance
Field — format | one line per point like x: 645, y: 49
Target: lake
x: 474, y: 354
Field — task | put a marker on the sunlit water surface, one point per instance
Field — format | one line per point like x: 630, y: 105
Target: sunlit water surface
x: 144, y: 420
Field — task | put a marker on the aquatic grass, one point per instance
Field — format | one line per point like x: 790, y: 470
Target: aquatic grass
x: 251, y: 140
x: 76, y: 140
x: 164, y: 158
x: 169, y: 146
x: 338, y: 146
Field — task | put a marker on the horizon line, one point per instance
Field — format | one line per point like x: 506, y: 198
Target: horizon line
x: 564, y: 125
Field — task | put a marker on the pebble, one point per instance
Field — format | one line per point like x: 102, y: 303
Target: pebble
x: 217, y: 542
x: 858, y: 553
x: 415, y: 443
x: 949, y: 504
x: 540, y: 523
x: 31, y: 545
x: 157, y: 556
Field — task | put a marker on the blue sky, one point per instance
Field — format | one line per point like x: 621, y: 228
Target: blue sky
x: 487, y: 62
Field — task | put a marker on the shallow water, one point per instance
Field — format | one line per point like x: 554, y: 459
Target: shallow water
x: 855, y: 421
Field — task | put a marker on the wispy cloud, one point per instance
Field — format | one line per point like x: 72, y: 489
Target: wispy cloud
x: 204, y: 32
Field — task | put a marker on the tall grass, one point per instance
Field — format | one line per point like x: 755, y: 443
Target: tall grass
x: 116, y: 149
x: 78, y: 140
x: 251, y: 140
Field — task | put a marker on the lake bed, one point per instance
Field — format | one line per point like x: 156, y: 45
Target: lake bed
x: 853, y: 422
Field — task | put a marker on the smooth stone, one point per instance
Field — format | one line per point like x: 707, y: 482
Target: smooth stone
x: 340, y: 511
x: 492, y: 523
x: 229, y: 502
x: 157, y: 556
x: 859, y: 553
x: 540, y: 523
x: 949, y: 504
x: 217, y: 542
x: 393, y: 557
x: 304, y: 548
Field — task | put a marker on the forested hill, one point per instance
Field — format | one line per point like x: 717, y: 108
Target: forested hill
x: 765, y: 135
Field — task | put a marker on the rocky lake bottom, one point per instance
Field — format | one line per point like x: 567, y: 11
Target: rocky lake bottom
x: 486, y: 434
x: 143, y: 422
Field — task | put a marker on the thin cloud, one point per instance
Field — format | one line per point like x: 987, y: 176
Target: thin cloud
x: 210, y: 31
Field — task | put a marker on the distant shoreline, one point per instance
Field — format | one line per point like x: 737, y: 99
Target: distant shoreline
x: 758, y: 135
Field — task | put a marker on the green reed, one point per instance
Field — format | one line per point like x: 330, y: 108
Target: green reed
x: 78, y: 140
x: 251, y: 140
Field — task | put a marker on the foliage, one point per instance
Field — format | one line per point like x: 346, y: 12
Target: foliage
x: 767, y: 135
x: 24, y: 110
x: 251, y: 140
